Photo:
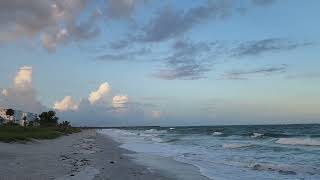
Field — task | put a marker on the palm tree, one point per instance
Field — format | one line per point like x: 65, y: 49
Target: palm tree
x: 65, y: 124
x: 24, y: 121
x: 10, y: 113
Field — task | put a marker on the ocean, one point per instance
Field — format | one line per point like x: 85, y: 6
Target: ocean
x: 232, y: 152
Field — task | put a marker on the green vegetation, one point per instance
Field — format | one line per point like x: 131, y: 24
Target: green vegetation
x: 10, y: 112
x: 48, y: 129
x: 48, y: 119
x: 19, y: 133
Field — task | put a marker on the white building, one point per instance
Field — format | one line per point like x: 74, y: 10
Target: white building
x: 19, y: 117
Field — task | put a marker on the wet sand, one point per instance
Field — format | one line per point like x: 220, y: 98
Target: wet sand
x: 85, y: 156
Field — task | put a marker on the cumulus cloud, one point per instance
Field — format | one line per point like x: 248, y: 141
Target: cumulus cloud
x: 67, y: 103
x: 23, y: 78
x: 114, y: 110
x: 120, y: 101
x: 97, y: 95
x: 22, y: 95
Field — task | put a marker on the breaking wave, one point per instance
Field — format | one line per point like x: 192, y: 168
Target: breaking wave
x: 217, y: 133
x: 257, y: 135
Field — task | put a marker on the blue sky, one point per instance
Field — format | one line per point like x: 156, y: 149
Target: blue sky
x: 165, y: 62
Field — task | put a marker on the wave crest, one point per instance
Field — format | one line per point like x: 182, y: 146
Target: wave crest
x: 217, y: 133
x: 257, y: 135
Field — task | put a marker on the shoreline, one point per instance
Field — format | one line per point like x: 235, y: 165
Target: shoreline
x: 87, y: 155
x: 163, y: 167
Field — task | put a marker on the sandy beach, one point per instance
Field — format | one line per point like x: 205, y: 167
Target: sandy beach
x: 82, y: 156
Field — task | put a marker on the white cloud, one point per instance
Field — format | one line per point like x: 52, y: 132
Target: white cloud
x: 23, y: 78
x: 114, y: 110
x: 119, y: 101
x: 21, y: 95
x: 95, y: 96
x: 105, y: 110
x: 67, y: 103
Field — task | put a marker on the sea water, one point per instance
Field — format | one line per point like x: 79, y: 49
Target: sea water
x: 232, y: 152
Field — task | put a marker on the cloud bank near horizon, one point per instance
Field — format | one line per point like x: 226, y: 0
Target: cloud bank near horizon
x: 99, y: 107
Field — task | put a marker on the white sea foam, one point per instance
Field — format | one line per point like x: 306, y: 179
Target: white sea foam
x: 154, y: 131
x: 284, y: 168
x: 151, y: 137
x: 150, y: 130
x: 217, y: 133
x: 257, y: 135
x: 299, y: 141
x: 219, y: 158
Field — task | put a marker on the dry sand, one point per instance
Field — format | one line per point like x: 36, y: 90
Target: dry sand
x: 82, y: 156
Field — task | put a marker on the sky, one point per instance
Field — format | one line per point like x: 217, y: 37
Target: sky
x: 168, y: 63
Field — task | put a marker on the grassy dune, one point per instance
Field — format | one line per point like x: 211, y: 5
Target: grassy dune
x: 22, y: 134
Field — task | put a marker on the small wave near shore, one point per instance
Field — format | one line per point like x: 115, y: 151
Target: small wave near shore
x: 233, y: 152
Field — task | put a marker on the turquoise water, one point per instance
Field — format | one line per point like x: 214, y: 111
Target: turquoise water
x: 233, y: 152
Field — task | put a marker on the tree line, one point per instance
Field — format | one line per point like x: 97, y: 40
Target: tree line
x: 45, y: 119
